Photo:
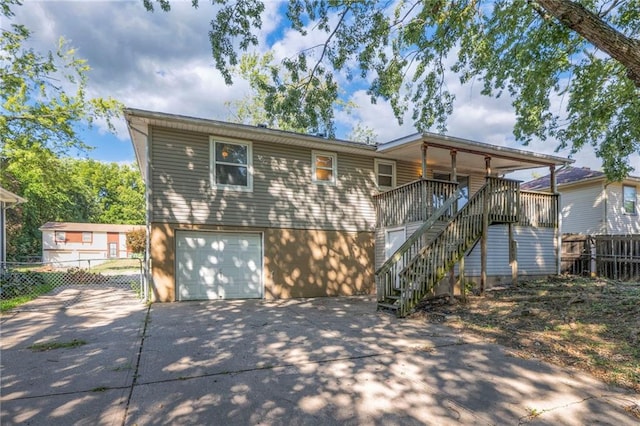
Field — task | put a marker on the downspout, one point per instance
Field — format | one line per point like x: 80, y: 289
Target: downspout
x: 147, y: 196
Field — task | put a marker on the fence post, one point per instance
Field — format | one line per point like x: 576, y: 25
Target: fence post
x: 593, y: 256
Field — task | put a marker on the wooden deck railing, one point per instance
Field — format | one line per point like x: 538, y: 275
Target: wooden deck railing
x: 539, y: 209
x: 504, y: 199
x: 413, y: 202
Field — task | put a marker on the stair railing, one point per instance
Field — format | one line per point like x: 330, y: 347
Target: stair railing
x: 387, y: 276
x: 440, y: 254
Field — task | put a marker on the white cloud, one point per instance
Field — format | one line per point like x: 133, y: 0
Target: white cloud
x: 162, y: 61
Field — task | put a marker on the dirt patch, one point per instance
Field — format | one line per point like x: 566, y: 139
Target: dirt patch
x: 591, y: 325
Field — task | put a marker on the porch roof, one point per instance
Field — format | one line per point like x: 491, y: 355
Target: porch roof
x: 470, y: 154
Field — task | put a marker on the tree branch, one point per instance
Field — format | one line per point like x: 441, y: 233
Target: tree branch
x: 625, y: 50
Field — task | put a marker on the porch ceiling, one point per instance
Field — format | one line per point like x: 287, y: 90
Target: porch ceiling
x: 470, y: 155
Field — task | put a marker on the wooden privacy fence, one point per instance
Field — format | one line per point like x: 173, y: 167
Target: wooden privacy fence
x: 610, y: 256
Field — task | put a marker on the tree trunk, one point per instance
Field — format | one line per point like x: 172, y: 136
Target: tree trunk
x: 623, y: 49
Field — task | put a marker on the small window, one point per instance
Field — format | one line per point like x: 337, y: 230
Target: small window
x: 87, y: 237
x: 61, y: 236
x: 231, y: 165
x: 629, y: 199
x: 325, y: 166
x: 385, y: 174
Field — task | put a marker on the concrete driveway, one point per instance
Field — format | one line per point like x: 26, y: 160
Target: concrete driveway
x: 296, y: 362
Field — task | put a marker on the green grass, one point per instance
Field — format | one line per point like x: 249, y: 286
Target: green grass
x: 47, y: 346
x: 14, y: 302
x: 116, y: 265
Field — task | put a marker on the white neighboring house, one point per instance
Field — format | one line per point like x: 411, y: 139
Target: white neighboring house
x: 63, y: 242
x: 592, y: 205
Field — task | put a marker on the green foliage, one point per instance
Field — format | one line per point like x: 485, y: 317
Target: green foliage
x: 116, y: 190
x: 554, y: 58
x: 44, y: 95
x: 65, y: 190
x: 42, y: 100
x: 275, y: 88
x: 14, y: 284
x: 259, y: 106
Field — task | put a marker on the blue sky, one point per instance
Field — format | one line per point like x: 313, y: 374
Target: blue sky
x: 162, y: 62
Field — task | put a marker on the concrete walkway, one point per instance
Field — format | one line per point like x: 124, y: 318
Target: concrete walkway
x: 329, y: 361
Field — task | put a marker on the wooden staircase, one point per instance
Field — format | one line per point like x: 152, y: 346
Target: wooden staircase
x: 420, y: 263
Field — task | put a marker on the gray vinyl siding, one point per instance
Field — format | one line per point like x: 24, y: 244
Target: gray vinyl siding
x: 407, y: 172
x: 619, y: 222
x: 536, y: 252
x: 582, y: 209
x: 283, y: 194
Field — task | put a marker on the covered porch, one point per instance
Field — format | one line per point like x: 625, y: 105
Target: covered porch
x: 443, y: 164
x: 460, y: 192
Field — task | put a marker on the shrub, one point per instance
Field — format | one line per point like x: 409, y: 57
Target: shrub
x: 13, y: 283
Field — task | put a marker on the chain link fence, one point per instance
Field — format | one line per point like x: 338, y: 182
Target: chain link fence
x: 69, y: 282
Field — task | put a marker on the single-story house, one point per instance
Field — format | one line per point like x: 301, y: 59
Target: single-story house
x: 592, y: 205
x: 7, y: 199
x: 64, y: 243
x: 238, y: 211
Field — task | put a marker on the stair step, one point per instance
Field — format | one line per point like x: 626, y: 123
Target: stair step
x: 387, y: 306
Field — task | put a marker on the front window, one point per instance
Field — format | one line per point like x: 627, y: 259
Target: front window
x: 87, y: 237
x: 61, y: 236
x: 231, y: 165
x: 325, y: 167
x: 629, y: 199
x: 385, y: 174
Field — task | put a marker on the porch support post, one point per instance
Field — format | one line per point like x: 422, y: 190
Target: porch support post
x: 487, y: 165
x: 454, y: 170
x: 424, y: 160
x: 513, y: 255
x: 553, y: 187
x: 483, y: 243
x: 454, y: 178
x: 426, y: 207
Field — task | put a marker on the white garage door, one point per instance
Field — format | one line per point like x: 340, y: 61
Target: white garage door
x: 218, y: 265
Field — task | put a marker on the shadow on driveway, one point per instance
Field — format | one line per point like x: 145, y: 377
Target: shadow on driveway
x: 302, y: 361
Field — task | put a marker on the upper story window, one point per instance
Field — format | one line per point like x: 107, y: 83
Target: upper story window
x: 231, y: 165
x: 385, y: 174
x: 325, y: 167
x: 60, y: 236
x: 629, y: 199
x: 87, y: 237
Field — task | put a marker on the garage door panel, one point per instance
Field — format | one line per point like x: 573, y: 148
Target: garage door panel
x: 218, y: 265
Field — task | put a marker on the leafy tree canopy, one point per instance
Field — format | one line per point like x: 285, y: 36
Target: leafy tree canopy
x: 66, y: 190
x: 572, y: 68
x: 43, y: 96
x: 263, y: 76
